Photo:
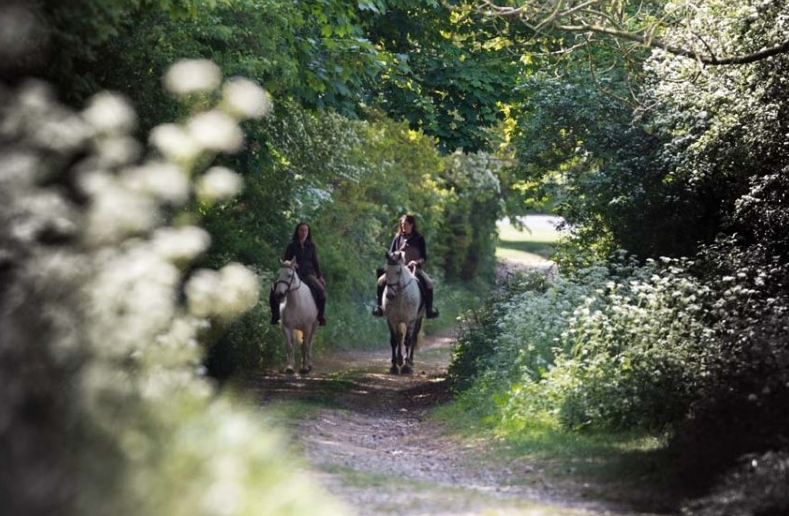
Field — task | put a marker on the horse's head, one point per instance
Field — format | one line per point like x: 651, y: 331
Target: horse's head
x: 395, y: 272
x: 395, y: 257
x: 286, y: 278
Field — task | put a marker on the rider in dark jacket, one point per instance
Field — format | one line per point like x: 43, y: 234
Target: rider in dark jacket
x: 411, y: 241
x: 304, y: 251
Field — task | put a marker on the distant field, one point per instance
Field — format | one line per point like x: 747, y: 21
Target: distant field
x: 533, y: 244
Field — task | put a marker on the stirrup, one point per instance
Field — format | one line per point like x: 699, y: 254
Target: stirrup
x: 432, y: 314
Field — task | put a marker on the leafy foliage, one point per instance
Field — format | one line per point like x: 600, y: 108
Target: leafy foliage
x: 452, y: 72
x: 468, y: 234
x: 604, y: 348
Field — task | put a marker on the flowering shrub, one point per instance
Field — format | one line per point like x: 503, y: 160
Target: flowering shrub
x: 103, y: 317
x: 608, y: 346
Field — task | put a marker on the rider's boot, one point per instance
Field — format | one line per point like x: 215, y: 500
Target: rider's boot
x: 379, y: 311
x: 274, y: 305
x: 321, y: 309
x: 430, y: 313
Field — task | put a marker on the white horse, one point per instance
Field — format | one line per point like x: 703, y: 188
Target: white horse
x: 298, y: 313
x: 403, y: 307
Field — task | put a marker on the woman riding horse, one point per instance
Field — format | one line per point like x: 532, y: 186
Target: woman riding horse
x: 305, y: 252
x: 409, y: 240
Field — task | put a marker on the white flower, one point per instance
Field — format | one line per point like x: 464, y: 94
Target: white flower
x: 111, y: 114
x: 201, y: 291
x: 243, y: 98
x: 164, y: 181
x: 133, y: 297
x: 115, y: 211
x: 226, y: 294
x: 239, y: 291
x: 116, y: 151
x: 218, y: 184
x: 174, y: 143
x: 215, y: 131
x: 192, y: 76
x: 180, y: 244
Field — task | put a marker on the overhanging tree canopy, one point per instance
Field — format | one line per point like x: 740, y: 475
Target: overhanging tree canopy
x: 643, y: 24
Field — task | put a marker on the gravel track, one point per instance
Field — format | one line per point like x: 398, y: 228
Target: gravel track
x: 369, y: 439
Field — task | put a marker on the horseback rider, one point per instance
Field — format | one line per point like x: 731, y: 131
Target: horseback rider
x: 411, y: 241
x: 305, y: 252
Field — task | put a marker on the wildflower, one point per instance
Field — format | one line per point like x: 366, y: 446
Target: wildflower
x: 163, y: 181
x: 174, y: 143
x: 180, y: 244
x: 216, y: 131
x: 200, y: 292
x: 192, y: 76
x: 243, y: 98
x: 239, y: 290
x: 218, y: 184
x: 110, y: 114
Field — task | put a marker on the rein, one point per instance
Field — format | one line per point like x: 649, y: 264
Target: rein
x: 289, y: 283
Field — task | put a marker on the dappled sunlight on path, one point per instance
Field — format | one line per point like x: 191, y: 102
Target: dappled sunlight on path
x: 369, y: 438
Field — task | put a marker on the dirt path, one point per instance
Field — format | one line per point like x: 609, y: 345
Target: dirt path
x: 368, y: 436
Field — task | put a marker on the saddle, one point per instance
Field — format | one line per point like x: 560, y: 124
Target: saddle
x: 422, y: 287
x: 314, y: 292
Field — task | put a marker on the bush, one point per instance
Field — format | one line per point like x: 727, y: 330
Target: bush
x: 746, y: 361
x: 104, y: 323
x: 606, y: 347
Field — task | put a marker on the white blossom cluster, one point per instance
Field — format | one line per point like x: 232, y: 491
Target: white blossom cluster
x: 590, y: 348
x: 96, y: 283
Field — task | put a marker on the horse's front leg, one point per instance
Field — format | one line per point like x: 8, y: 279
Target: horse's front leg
x: 394, y: 342
x: 288, y: 333
x: 411, y: 339
x: 306, y: 350
x: 400, y: 344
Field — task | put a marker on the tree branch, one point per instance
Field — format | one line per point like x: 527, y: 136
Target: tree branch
x: 559, y: 11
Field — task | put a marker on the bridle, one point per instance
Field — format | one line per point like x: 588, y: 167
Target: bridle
x: 288, y: 284
x: 394, y: 288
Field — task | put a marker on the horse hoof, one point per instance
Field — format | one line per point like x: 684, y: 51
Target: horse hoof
x: 289, y: 370
x: 394, y: 370
x: 305, y: 370
x: 406, y: 369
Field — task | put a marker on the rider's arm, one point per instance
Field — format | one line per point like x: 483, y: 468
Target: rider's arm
x: 290, y: 252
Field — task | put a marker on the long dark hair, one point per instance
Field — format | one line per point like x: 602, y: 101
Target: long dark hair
x: 296, y: 232
x: 411, y: 220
